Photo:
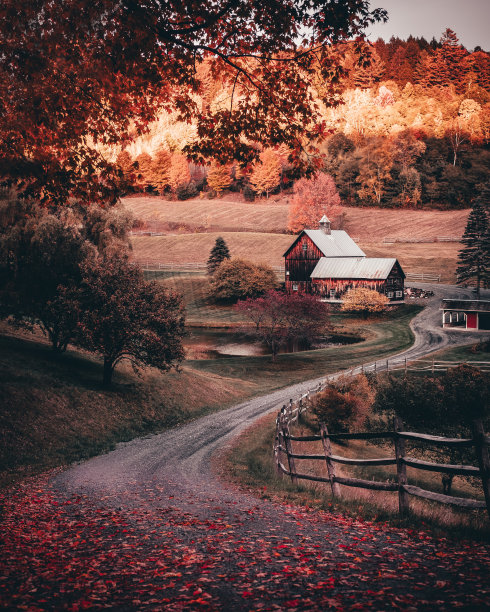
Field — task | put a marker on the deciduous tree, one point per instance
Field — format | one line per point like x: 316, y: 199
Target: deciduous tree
x: 219, y: 177
x: 179, y: 174
x: 145, y: 170
x: 128, y: 318
x: 40, y: 273
x: 160, y: 169
x: 313, y: 198
x: 266, y: 173
x: 281, y: 317
x: 364, y: 300
x: 79, y: 73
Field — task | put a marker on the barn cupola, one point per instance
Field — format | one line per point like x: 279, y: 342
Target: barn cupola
x: 325, y: 225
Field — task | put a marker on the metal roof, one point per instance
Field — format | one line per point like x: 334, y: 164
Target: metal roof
x: 368, y: 268
x: 336, y: 244
x: 466, y: 305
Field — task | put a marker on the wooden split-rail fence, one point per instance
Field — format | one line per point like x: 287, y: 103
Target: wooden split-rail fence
x: 286, y: 458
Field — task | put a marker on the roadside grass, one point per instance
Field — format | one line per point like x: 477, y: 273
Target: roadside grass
x: 249, y: 463
x: 479, y: 350
x: 54, y: 410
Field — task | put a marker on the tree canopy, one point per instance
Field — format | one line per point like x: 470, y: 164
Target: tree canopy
x: 79, y: 74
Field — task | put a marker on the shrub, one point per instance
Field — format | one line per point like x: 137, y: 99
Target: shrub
x: 237, y: 279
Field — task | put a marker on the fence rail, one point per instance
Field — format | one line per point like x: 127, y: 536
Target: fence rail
x: 284, y: 451
x: 423, y: 278
x: 421, y: 239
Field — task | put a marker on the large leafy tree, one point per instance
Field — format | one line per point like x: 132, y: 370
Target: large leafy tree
x: 474, y: 257
x: 76, y: 74
x: 312, y: 199
x: 279, y: 317
x: 40, y: 271
x: 128, y: 318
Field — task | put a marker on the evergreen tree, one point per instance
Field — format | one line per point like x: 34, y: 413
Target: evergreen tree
x: 474, y: 258
x: 219, y: 253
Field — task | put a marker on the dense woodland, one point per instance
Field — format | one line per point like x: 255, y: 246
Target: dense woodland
x: 409, y: 127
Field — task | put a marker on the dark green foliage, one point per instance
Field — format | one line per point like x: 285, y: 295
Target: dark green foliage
x: 126, y: 317
x: 474, y: 258
x: 219, y: 253
x: 185, y: 192
x: 40, y: 272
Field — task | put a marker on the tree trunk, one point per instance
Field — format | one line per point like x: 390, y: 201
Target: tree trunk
x: 108, y: 370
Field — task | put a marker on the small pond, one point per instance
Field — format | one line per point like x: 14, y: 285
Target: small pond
x: 212, y: 343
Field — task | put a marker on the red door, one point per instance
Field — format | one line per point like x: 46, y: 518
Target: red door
x: 471, y: 320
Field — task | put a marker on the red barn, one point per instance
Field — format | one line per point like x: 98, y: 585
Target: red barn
x: 328, y: 262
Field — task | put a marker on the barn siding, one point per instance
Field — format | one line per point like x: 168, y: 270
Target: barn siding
x: 299, y: 264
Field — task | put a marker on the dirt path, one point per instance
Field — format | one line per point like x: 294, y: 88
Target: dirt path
x: 148, y: 526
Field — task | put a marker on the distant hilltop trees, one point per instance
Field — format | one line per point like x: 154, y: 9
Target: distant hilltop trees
x: 412, y: 131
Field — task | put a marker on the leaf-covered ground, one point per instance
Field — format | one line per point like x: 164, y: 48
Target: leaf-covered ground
x: 140, y: 549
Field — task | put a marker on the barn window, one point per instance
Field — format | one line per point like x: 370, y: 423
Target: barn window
x: 305, y: 247
x: 295, y: 287
x: 399, y: 293
x: 389, y: 294
x: 332, y: 293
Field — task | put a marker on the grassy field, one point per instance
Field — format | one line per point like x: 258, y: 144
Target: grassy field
x: 436, y: 258
x: 270, y: 216
x: 186, y: 248
x: 384, y: 336
x: 258, y: 233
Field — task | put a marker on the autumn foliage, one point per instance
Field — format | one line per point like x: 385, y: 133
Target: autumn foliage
x: 281, y: 317
x: 363, y: 300
x: 313, y: 198
x: 237, y: 279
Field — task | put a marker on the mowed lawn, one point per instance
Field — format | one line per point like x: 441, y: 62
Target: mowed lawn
x: 188, y: 248
x: 438, y: 258
x: 255, y: 231
x: 368, y: 224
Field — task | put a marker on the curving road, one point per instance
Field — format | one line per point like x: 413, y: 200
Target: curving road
x: 170, y: 472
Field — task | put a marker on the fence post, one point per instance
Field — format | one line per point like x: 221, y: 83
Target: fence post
x: 327, y: 447
x: 289, y: 451
x: 401, y: 468
x: 277, y: 443
x: 405, y: 365
x: 483, y: 456
x: 432, y: 366
x: 387, y: 366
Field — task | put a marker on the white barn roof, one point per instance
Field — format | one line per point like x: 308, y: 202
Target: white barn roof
x: 366, y: 268
x: 336, y: 244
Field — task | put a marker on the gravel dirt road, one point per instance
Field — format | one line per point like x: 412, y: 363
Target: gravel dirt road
x: 154, y: 528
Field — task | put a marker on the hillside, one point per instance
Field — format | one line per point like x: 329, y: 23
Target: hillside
x: 255, y: 231
x: 368, y: 224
